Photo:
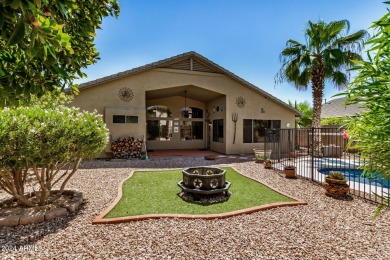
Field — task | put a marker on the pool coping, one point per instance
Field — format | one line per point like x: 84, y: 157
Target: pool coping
x: 101, y: 220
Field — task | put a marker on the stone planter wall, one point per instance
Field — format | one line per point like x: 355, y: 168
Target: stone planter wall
x: 72, y: 206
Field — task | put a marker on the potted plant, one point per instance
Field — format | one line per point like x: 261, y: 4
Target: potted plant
x: 294, y: 154
x: 267, y: 164
x: 336, y: 184
x: 289, y: 171
x: 262, y: 155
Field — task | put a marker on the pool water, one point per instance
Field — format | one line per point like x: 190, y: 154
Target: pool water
x: 355, y: 175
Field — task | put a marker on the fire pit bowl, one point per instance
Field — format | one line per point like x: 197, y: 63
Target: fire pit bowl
x: 204, y: 178
x: 204, y: 185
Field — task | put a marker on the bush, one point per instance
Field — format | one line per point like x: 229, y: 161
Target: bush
x: 370, y: 131
x: 47, y: 145
x: 336, y: 175
x: 335, y: 121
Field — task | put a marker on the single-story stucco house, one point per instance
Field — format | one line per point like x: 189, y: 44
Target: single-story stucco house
x: 185, y: 102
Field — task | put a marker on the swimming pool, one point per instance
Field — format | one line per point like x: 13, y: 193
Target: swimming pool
x: 355, y: 176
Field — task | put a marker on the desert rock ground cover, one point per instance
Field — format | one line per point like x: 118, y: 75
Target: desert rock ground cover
x: 324, y: 229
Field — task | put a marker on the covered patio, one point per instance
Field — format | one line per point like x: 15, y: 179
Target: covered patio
x: 195, y: 153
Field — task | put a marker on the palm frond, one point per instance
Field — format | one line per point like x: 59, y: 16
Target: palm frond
x: 336, y: 27
x: 339, y: 79
x: 291, y: 42
x: 292, y: 71
x: 304, y: 78
x: 312, y: 35
x: 333, y: 54
x: 305, y: 60
x: 353, y: 41
x: 350, y: 55
x: 292, y: 51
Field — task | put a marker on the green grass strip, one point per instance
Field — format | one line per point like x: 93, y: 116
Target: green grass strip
x: 155, y: 192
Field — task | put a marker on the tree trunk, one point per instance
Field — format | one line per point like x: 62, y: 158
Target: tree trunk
x: 318, y: 80
x: 13, y: 184
x: 75, y: 167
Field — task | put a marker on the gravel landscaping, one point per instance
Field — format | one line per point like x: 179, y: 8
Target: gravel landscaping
x: 324, y: 229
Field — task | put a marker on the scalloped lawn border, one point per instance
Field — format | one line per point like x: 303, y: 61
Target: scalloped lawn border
x: 101, y: 220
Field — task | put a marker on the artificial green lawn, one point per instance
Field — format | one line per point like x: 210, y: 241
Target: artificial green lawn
x: 155, y: 192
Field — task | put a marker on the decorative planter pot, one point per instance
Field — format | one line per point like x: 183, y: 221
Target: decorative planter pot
x: 262, y: 155
x: 293, y: 154
x: 336, y: 188
x: 267, y: 164
x: 290, y: 172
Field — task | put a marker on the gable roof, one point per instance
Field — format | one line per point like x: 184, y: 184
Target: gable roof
x: 337, y: 108
x: 187, y: 61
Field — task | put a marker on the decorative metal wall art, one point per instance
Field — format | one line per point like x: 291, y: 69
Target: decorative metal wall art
x: 240, y: 102
x: 126, y: 94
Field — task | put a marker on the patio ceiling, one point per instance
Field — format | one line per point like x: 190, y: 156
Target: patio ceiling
x: 193, y: 92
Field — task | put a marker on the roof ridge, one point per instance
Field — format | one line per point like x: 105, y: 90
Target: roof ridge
x: 139, y: 68
x: 179, y: 56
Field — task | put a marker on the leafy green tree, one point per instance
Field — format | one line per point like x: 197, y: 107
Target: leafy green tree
x: 45, y: 145
x: 305, y: 108
x: 45, y: 44
x: 371, y: 89
x: 326, y: 56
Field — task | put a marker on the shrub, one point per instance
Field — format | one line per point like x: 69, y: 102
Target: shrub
x: 370, y: 130
x: 335, y: 121
x: 336, y: 175
x: 46, y: 145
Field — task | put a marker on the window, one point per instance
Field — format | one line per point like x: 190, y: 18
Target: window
x: 122, y: 119
x: 191, y: 130
x: 259, y: 127
x: 185, y: 130
x: 160, y: 130
x: 158, y: 111
x: 254, y: 130
x: 197, y: 112
x: 218, y: 130
x: 197, y: 130
x: 247, y: 130
x: 158, y: 125
x: 132, y: 119
x: 118, y: 119
x: 191, y: 112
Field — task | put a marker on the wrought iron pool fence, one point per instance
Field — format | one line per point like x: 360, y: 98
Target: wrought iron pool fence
x: 317, y: 151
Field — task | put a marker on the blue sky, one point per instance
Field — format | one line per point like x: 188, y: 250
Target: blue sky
x: 243, y: 36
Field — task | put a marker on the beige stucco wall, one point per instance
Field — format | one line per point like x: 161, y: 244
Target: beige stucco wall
x: 252, y: 110
x: 104, y: 98
x: 211, y: 107
x: 135, y: 130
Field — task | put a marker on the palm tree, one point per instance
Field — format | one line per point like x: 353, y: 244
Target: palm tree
x: 307, y: 113
x: 326, y: 57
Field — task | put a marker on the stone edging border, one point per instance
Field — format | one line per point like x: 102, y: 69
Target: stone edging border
x: 74, y: 205
x: 101, y: 220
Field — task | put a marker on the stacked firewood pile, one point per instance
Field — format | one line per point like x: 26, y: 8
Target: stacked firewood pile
x: 127, y: 148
